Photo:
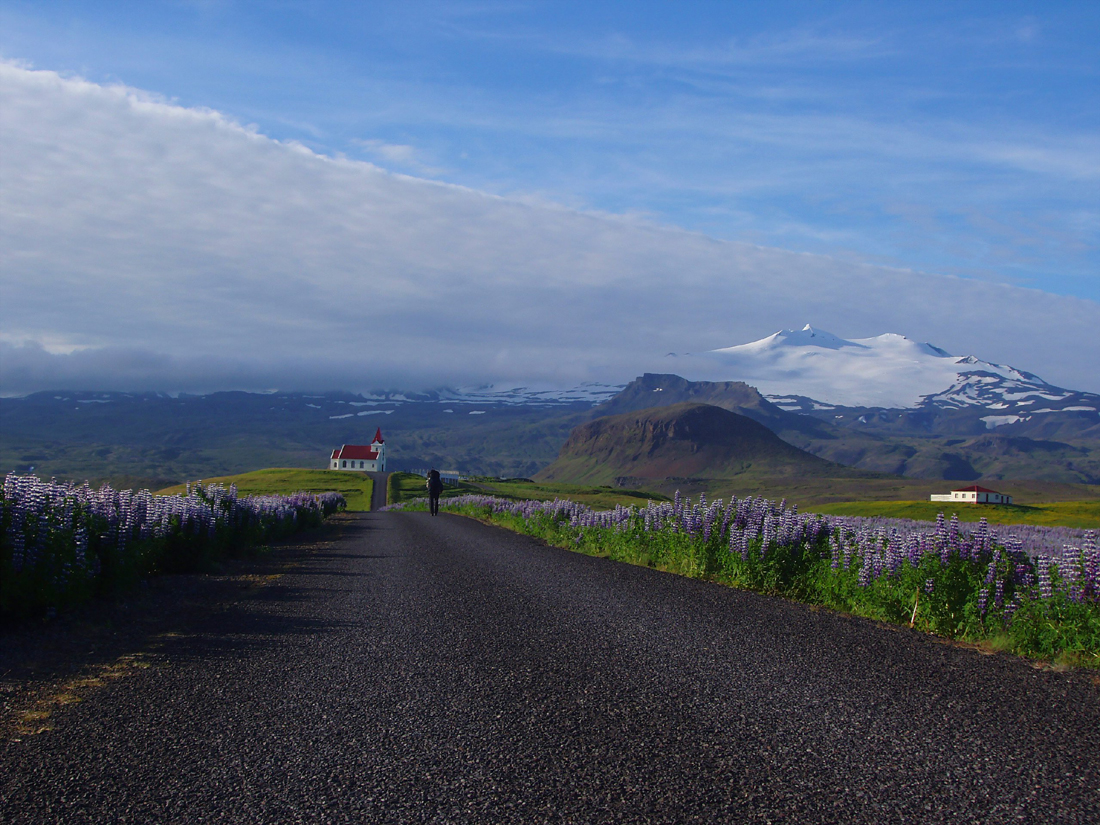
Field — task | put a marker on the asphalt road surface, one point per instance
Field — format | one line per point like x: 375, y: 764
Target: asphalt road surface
x: 378, y: 490
x: 418, y: 669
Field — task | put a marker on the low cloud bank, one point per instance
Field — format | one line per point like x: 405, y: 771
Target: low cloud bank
x: 148, y: 246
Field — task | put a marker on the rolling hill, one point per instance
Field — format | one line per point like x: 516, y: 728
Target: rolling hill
x: 687, y: 440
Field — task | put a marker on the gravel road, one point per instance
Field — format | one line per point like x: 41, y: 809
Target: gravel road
x: 414, y: 669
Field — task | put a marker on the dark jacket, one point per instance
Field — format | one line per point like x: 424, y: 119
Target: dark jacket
x: 435, y: 483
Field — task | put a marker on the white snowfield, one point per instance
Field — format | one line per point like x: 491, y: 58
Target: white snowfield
x: 885, y: 371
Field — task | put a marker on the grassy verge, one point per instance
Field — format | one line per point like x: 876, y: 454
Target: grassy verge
x: 954, y: 584
x: 61, y: 545
x: 354, y: 487
x: 1080, y: 514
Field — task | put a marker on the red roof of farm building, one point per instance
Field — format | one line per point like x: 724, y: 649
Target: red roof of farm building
x: 974, y: 488
x: 356, y: 451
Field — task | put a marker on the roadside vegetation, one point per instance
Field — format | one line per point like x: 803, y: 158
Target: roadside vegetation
x: 61, y: 544
x: 1033, y: 591
x: 354, y: 487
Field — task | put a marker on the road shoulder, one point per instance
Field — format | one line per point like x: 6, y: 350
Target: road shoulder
x: 48, y: 664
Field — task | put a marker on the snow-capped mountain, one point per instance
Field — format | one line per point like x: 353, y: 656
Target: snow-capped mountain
x: 810, y: 370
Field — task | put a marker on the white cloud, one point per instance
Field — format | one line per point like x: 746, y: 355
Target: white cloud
x: 171, y: 248
x: 398, y: 154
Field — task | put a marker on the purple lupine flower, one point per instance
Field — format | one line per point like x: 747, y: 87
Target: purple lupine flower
x: 1046, y: 586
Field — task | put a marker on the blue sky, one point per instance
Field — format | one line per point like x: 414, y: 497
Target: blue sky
x: 959, y: 138
x: 952, y: 139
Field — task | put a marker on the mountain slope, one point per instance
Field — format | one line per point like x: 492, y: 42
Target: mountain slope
x: 680, y: 441
x: 913, y: 443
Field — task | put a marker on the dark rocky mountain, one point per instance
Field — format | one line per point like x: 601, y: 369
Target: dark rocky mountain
x: 685, y: 440
x: 662, y: 390
x: 935, y: 442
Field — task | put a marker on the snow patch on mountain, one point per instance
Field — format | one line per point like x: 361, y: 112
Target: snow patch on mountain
x: 796, y: 367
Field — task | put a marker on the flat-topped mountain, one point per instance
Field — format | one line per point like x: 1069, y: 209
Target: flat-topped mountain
x: 665, y: 390
x: 681, y: 441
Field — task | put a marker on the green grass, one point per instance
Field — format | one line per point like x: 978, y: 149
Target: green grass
x: 406, y: 486
x: 1079, y: 514
x: 355, y: 487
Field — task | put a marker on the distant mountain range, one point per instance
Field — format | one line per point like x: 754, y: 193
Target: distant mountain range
x: 888, y: 381
x: 885, y: 405
x: 905, y: 443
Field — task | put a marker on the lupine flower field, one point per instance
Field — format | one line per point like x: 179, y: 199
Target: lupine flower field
x: 1032, y: 590
x: 62, y: 543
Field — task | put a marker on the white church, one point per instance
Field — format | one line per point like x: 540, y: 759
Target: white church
x: 361, y: 459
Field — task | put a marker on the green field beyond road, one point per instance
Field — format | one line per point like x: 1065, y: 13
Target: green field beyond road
x: 407, y: 486
x: 1080, y: 514
x: 355, y: 487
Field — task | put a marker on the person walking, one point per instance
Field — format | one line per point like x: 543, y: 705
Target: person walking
x: 435, y: 487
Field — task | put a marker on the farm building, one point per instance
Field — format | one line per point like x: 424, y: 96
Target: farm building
x: 361, y: 459
x: 974, y: 495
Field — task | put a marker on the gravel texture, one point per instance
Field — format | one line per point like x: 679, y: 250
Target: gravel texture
x: 418, y: 669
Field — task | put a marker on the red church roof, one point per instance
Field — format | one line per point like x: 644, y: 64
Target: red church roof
x: 356, y: 451
x: 378, y: 437
x: 974, y: 488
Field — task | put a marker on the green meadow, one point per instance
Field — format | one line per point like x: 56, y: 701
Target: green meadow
x: 406, y: 486
x: 355, y: 487
x: 1080, y: 514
